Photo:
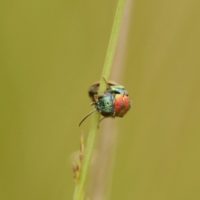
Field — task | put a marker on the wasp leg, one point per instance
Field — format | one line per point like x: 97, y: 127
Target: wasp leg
x: 99, y: 122
x: 105, y: 81
x: 92, y: 103
x: 102, y: 119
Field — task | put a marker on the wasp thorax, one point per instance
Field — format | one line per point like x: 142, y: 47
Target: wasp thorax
x: 105, y: 105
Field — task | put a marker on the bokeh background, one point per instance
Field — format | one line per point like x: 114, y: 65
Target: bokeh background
x: 51, y: 51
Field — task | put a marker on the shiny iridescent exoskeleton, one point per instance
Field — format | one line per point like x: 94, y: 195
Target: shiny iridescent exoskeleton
x: 114, y: 102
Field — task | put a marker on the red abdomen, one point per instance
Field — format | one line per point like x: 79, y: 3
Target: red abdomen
x: 121, y: 105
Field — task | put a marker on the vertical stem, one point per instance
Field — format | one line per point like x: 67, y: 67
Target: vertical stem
x: 79, y: 193
x: 112, y: 45
x: 102, y: 170
x: 80, y: 186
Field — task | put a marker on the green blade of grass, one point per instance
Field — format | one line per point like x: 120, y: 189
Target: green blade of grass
x: 79, y: 193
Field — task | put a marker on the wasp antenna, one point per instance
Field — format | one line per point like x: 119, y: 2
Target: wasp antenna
x: 84, y: 118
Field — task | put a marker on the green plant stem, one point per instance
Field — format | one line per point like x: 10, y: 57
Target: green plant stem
x: 112, y: 45
x: 80, y: 185
x: 79, y: 193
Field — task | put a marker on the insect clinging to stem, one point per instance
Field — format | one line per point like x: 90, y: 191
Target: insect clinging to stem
x: 114, y: 102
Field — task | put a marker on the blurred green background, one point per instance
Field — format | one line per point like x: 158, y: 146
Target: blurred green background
x: 51, y: 51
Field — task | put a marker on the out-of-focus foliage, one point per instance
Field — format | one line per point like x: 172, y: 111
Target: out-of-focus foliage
x: 51, y: 51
